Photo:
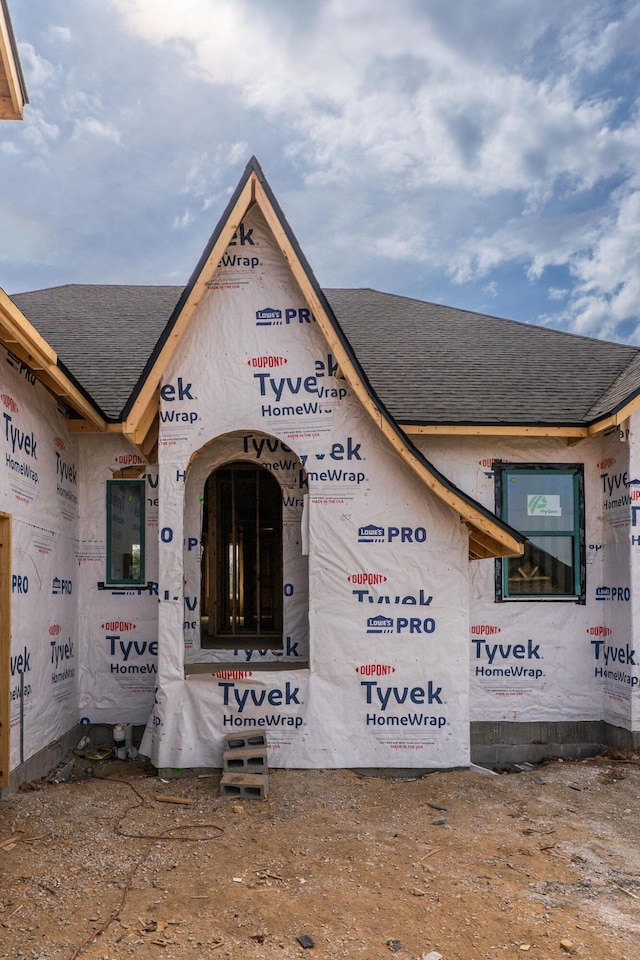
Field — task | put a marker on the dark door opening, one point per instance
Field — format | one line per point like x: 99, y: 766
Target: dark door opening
x: 241, y: 578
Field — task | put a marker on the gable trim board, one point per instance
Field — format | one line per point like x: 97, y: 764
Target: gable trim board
x: 13, y: 91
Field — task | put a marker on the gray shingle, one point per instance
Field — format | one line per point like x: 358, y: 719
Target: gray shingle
x: 435, y: 364
x: 104, y: 334
x: 427, y: 363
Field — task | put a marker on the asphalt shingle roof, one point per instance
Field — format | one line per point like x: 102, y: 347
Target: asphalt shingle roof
x: 104, y: 334
x: 427, y: 363
x: 435, y: 364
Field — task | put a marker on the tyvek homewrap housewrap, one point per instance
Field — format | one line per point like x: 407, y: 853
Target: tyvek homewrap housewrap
x: 118, y: 625
x: 551, y: 661
x: 392, y: 644
x: 39, y: 490
x: 375, y: 604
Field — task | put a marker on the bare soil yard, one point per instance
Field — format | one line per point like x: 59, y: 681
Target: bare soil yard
x: 543, y: 865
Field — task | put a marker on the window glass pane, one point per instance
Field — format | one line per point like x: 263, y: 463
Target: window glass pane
x: 539, y: 501
x: 125, y: 505
x: 547, y: 567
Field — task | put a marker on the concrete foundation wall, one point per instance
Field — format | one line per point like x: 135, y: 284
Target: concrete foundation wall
x: 499, y: 742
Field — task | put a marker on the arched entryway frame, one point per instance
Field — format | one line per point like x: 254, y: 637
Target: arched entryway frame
x: 243, y: 523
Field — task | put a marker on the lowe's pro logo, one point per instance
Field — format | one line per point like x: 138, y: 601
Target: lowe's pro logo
x: 61, y: 587
x: 372, y: 533
x: 271, y: 317
x: 268, y: 317
x: 400, y: 625
x: 613, y: 593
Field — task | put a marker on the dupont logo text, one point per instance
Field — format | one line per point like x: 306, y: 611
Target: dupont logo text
x: 9, y: 402
x: 375, y: 669
x: 369, y: 578
x: 232, y: 674
x: 266, y: 362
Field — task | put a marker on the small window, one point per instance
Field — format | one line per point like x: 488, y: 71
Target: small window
x: 125, y: 531
x: 546, y: 504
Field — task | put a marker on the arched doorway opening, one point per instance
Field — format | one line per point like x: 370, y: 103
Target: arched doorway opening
x: 241, y: 566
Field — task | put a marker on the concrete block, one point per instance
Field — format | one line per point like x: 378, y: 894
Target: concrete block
x: 238, y: 741
x: 245, y: 760
x: 247, y: 785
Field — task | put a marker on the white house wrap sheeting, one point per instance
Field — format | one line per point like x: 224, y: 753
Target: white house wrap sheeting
x: 39, y: 489
x: 392, y: 642
x: 376, y: 615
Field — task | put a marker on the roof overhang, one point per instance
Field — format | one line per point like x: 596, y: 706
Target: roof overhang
x: 573, y: 433
x: 22, y: 340
x: 13, y: 92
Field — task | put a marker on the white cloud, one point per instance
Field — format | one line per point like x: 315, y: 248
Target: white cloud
x: 38, y: 131
x: 38, y: 71
x: 436, y: 143
x: 607, y: 292
x: 180, y: 222
x: 92, y: 127
x: 55, y: 33
x: 558, y: 293
x: 396, y: 95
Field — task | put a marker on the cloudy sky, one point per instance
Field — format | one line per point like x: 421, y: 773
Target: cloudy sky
x: 485, y: 155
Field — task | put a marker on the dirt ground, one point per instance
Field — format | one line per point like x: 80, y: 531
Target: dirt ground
x: 543, y: 864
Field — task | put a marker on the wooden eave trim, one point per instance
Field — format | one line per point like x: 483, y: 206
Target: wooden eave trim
x: 615, y: 419
x: 488, y: 430
x: 149, y: 393
x: 11, y: 108
x: 525, y: 430
x: 497, y: 541
x: 22, y: 339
